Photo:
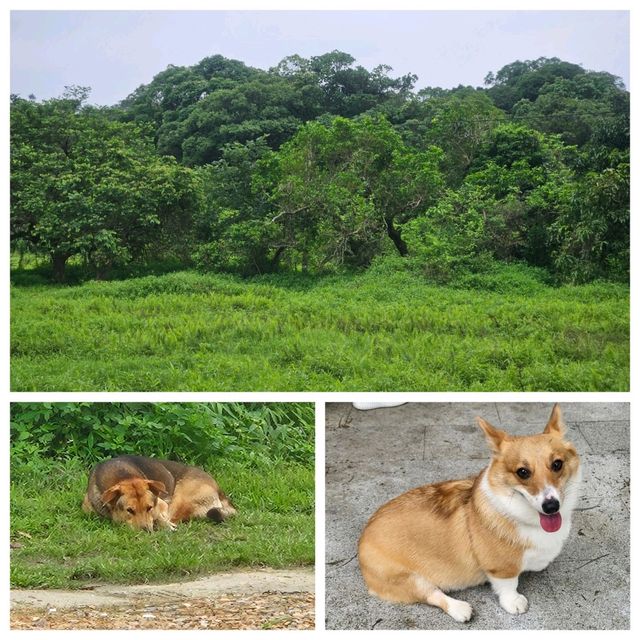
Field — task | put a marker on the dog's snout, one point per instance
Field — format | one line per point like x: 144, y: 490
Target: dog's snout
x: 551, y: 505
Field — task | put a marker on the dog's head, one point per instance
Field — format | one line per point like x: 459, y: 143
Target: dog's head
x: 133, y: 501
x: 543, y: 469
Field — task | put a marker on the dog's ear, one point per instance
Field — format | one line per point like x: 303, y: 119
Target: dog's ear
x: 555, y: 426
x: 156, y: 487
x: 494, y: 436
x: 111, y: 494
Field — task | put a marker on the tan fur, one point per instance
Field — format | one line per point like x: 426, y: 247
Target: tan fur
x: 146, y: 493
x: 447, y: 536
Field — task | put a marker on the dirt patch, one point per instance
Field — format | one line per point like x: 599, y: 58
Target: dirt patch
x: 226, y: 611
x: 265, y: 599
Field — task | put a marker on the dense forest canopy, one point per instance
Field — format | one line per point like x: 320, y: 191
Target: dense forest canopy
x: 319, y: 164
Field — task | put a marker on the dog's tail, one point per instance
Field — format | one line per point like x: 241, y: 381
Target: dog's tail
x: 224, y: 511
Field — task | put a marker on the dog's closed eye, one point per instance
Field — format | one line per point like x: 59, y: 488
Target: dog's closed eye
x: 131, y: 510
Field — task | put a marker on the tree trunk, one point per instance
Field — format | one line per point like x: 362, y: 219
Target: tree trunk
x: 59, y: 262
x: 103, y: 271
x: 394, y: 234
x: 275, y: 260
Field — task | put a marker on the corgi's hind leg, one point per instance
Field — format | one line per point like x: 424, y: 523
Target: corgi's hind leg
x: 459, y: 610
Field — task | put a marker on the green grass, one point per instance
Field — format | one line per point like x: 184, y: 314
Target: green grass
x: 373, y: 332
x: 61, y: 547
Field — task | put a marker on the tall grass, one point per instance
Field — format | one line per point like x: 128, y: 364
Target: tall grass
x: 380, y: 331
x: 56, y: 545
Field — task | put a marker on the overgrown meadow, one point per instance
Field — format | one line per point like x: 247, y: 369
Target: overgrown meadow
x: 261, y: 455
x: 507, y: 329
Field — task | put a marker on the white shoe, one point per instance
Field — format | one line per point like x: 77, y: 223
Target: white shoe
x: 365, y: 406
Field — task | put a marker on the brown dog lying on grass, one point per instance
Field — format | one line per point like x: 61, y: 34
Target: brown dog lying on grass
x: 146, y: 493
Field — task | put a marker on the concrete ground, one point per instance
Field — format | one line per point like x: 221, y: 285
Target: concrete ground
x: 373, y: 456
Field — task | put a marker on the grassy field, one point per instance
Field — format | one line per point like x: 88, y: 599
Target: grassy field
x: 57, y: 546
x: 371, y: 332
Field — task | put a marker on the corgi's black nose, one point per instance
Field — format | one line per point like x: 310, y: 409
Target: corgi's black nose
x: 550, y: 506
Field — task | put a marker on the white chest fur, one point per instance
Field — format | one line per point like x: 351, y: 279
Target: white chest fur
x: 544, y: 546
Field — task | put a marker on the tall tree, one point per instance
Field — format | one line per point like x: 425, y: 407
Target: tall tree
x: 342, y: 186
x: 84, y: 184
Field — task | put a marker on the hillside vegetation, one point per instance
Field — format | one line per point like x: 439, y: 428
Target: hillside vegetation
x: 321, y: 226
x: 320, y: 165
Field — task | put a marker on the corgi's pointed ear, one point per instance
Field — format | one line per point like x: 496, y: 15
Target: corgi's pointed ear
x: 494, y: 436
x: 111, y: 494
x: 555, y: 426
x: 156, y: 487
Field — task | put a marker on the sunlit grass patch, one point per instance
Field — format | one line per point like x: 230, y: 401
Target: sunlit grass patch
x: 372, y: 332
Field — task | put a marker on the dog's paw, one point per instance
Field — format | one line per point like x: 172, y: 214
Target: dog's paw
x: 460, y: 610
x: 514, y: 603
x: 164, y: 525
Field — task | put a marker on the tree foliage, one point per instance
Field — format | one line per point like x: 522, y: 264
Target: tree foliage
x: 320, y: 164
x: 84, y: 184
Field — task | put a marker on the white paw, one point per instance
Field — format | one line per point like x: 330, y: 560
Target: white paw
x: 460, y: 610
x: 165, y: 524
x: 514, y: 603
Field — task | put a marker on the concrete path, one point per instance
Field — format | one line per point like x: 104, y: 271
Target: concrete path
x: 373, y: 456
x: 244, y: 582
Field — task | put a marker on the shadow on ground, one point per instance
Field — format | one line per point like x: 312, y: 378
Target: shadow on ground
x: 373, y: 456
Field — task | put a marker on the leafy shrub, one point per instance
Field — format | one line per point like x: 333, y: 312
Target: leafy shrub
x: 516, y: 278
x: 246, y: 433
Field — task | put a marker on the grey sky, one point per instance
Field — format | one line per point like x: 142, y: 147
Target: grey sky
x: 114, y: 51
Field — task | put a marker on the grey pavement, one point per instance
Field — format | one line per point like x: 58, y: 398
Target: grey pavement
x: 373, y: 456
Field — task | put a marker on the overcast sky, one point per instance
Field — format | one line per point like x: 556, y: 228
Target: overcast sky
x: 114, y: 52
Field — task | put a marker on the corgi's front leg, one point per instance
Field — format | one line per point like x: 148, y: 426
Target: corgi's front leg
x: 507, y: 591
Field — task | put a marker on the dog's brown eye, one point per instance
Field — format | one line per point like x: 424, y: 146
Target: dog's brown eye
x: 523, y: 473
x: 131, y: 511
x: 556, y: 465
x: 149, y: 508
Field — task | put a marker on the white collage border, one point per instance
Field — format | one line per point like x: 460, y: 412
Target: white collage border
x: 6, y: 397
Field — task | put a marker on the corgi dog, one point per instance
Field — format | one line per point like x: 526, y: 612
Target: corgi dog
x: 514, y: 516
x: 146, y: 493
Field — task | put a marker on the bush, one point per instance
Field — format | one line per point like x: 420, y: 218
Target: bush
x: 246, y: 433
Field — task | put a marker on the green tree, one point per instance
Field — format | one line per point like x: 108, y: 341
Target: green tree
x: 524, y: 80
x: 461, y: 123
x: 527, y: 182
x: 342, y: 186
x: 339, y: 87
x: 591, y: 107
x: 232, y: 228
x: 265, y: 107
x: 591, y: 235
x: 83, y: 184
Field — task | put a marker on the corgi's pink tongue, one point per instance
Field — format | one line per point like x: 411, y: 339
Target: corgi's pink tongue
x: 550, y: 523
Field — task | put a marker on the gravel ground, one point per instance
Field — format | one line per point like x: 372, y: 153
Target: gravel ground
x: 270, y: 610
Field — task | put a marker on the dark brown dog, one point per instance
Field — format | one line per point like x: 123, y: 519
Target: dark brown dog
x: 146, y: 493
